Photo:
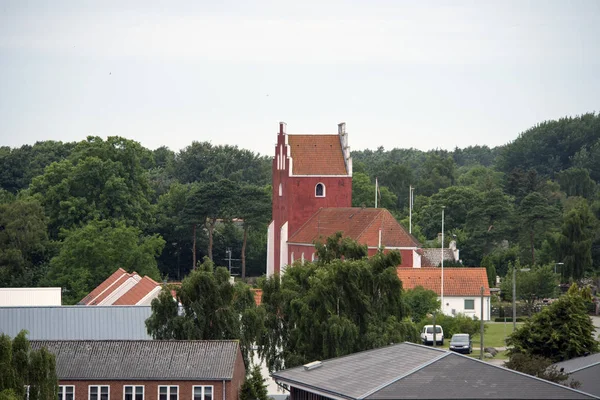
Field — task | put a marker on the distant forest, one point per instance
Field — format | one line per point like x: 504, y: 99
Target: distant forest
x: 72, y: 213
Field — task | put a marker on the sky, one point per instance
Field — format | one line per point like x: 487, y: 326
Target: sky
x: 421, y: 74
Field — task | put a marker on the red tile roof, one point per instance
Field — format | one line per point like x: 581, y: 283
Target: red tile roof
x: 137, y: 293
x: 360, y: 224
x: 108, y: 285
x: 317, y: 155
x: 257, y: 296
x: 457, y: 281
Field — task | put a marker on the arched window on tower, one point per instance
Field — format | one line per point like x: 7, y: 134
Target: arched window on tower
x: 320, y: 190
x: 280, y: 190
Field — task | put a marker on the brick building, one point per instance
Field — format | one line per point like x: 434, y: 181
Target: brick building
x: 147, y: 369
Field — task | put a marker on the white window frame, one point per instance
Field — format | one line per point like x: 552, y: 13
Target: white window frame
x: 99, y: 391
x: 292, y: 258
x: 465, y: 305
x: 168, y: 391
x: 64, y: 392
x: 212, y: 388
x: 135, y: 386
x: 324, y: 189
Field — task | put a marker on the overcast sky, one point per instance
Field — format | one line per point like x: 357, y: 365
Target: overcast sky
x: 419, y: 74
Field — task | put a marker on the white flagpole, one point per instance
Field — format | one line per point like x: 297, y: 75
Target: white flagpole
x: 410, y: 209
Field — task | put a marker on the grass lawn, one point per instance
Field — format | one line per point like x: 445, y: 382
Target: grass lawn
x: 495, y: 334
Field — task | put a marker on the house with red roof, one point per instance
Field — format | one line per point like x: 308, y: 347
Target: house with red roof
x: 461, y: 289
x: 312, y: 199
x: 123, y: 289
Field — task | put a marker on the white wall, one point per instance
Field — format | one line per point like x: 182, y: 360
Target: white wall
x: 283, y: 249
x: 458, y: 303
x: 29, y: 297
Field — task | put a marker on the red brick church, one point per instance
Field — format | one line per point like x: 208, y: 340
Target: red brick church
x: 312, y: 199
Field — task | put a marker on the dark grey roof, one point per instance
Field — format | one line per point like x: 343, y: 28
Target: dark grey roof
x: 408, y: 371
x: 76, y: 322
x: 433, y: 256
x: 143, y: 359
x: 585, y: 370
x: 578, y: 363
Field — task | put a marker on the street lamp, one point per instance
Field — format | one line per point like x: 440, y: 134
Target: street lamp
x: 514, y: 295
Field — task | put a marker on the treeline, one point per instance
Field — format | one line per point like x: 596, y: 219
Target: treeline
x: 534, y: 200
x: 71, y: 213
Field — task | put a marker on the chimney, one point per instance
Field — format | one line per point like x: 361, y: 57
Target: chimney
x: 342, y: 128
x: 282, y: 126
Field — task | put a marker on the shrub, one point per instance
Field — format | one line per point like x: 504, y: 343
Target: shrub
x: 460, y: 323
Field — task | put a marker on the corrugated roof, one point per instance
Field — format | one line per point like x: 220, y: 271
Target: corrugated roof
x: 317, y: 155
x: 143, y: 359
x: 76, y: 322
x: 410, y: 371
x: 432, y: 257
x: 457, y: 281
x: 137, y: 293
x: 108, y: 285
x: 360, y: 224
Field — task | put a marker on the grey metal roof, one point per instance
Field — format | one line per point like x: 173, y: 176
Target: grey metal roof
x: 76, y: 322
x: 143, y: 359
x: 575, y: 364
x: 408, y: 371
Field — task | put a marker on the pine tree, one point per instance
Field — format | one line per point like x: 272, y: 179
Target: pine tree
x: 254, y: 387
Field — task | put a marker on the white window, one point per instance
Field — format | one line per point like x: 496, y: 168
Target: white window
x: 312, y: 257
x: 168, y: 393
x: 65, y: 392
x: 99, y: 393
x: 203, y: 393
x: 292, y: 258
x: 302, y: 258
x: 280, y: 190
x: 469, y: 304
x: 320, y: 190
x: 133, y: 392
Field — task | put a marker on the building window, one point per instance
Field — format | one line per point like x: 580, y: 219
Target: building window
x: 99, y: 393
x: 168, y: 393
x: 203, y: 393
x: 312, y: 257
x: 133, y: 392
x: 292, y: 258
x: 302, y: 258
x: 280, y: 190
x: 320, y: 190
x: 64, y: 392
x: 469, y: 304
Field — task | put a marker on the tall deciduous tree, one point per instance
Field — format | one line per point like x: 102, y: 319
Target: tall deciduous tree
x: 330, y: 308
x: 561, y: 331
x: 535, y: 217
x: 90, y: 254
x: 420, y: 302
x: 538, y: 283
x: 575, y: 242
x: 211, y: 309
x: 254, y: 207
x: 21, y: 367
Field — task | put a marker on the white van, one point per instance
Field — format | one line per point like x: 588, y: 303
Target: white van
x: 427, y: 334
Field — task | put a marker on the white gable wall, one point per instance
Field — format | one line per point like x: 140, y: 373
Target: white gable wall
x: 457, y: 304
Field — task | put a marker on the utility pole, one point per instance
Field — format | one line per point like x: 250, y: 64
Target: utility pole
x: 514, y: 298
x: 443, y: 208
x: 434, y: 338
x: 481, y: 327
x: 410, y: 206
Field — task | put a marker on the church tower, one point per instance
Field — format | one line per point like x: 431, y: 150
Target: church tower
x: 310, y: 172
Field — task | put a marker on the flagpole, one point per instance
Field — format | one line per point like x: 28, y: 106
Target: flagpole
x: 410, y: 209
x: 376, y: 184
x: 443, y: 207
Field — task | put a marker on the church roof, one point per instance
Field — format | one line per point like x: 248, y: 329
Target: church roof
x: 458, y: 281
x: 317, y: 155
x: 360, y: 224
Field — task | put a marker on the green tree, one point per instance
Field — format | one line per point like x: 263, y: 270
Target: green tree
x: 211, y: 309
x: 24, y: 244
x: 330, y: 308
x: 88, y: 255
x: 538, y: 283
x: 575, y: 242
x: 100, y: 180
x: 536, y: 216
x: 577, y: 182
x: 254, y: 206
x: 540, y: 367
x: 561, y: 331
x: 481, y: 178
x: 254, y: 387
x: 20, y: 367
x: 421, y: 302
x: 363, y: 193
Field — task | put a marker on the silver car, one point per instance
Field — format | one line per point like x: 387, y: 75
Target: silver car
x: 461, y: 343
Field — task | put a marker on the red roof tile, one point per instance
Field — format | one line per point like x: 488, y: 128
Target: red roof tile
x: 108, y: 285
x: 457, y: 281
x: 137, y: 293
x: 360, y: 224
x: 317, y: 155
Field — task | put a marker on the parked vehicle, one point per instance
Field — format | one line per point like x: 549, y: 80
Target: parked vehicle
x: 427, y: 334
x: 461, y: 343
